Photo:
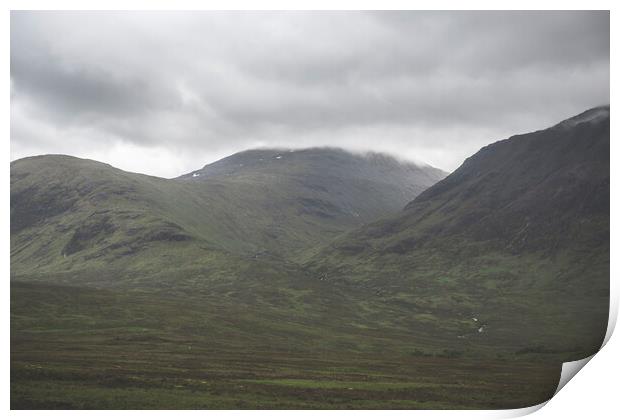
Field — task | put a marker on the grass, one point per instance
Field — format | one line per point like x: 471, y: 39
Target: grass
x: 247, y: 333
x: 156, y: 347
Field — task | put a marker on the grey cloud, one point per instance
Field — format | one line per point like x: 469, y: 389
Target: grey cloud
x: 426, y: 85
x: 69, y: 91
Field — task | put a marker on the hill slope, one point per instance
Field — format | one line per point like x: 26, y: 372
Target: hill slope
x: 513, y: 237
x: 69, y: 213
x: 544, y: 190
x: 299, y: 199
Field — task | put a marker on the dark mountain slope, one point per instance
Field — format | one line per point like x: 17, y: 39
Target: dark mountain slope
x: 516, y: 233
x: 540, y: 191
x: 533, y: 191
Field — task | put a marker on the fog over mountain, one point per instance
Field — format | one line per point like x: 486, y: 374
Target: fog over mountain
x: 164, y: 93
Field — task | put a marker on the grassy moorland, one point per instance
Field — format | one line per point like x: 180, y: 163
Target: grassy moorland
x: 269, y: 335
x: 80, y: 347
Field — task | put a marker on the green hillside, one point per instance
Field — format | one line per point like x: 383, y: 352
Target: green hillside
x: 73, y: 214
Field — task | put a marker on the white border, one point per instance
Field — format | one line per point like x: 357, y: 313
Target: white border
x: 593, y: 394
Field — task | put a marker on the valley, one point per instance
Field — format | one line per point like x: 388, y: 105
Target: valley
x: 314, y: 278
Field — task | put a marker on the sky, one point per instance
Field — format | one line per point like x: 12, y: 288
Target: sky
x: 164, y: 93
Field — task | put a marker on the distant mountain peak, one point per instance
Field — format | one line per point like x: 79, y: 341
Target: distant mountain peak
x: 313, y: 152
x: 311, y: 161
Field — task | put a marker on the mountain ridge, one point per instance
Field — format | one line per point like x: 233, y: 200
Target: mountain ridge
x: 366, y: 155
x: 278, y: 211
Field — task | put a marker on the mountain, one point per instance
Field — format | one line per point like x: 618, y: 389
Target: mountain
x: 546, y: 190
x: 312, y: 195
x: 312, y: 279
x: 69, y: 213
x: 517, y: 237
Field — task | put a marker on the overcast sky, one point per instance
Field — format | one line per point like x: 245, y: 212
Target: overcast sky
x: 164, y: 93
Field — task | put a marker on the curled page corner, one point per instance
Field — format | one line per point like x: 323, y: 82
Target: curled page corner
x: 613, y: 313
x: 520, y: 412
x: 569, y: 370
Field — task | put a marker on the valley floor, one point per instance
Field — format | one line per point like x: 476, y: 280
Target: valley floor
x: 85, y: 348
